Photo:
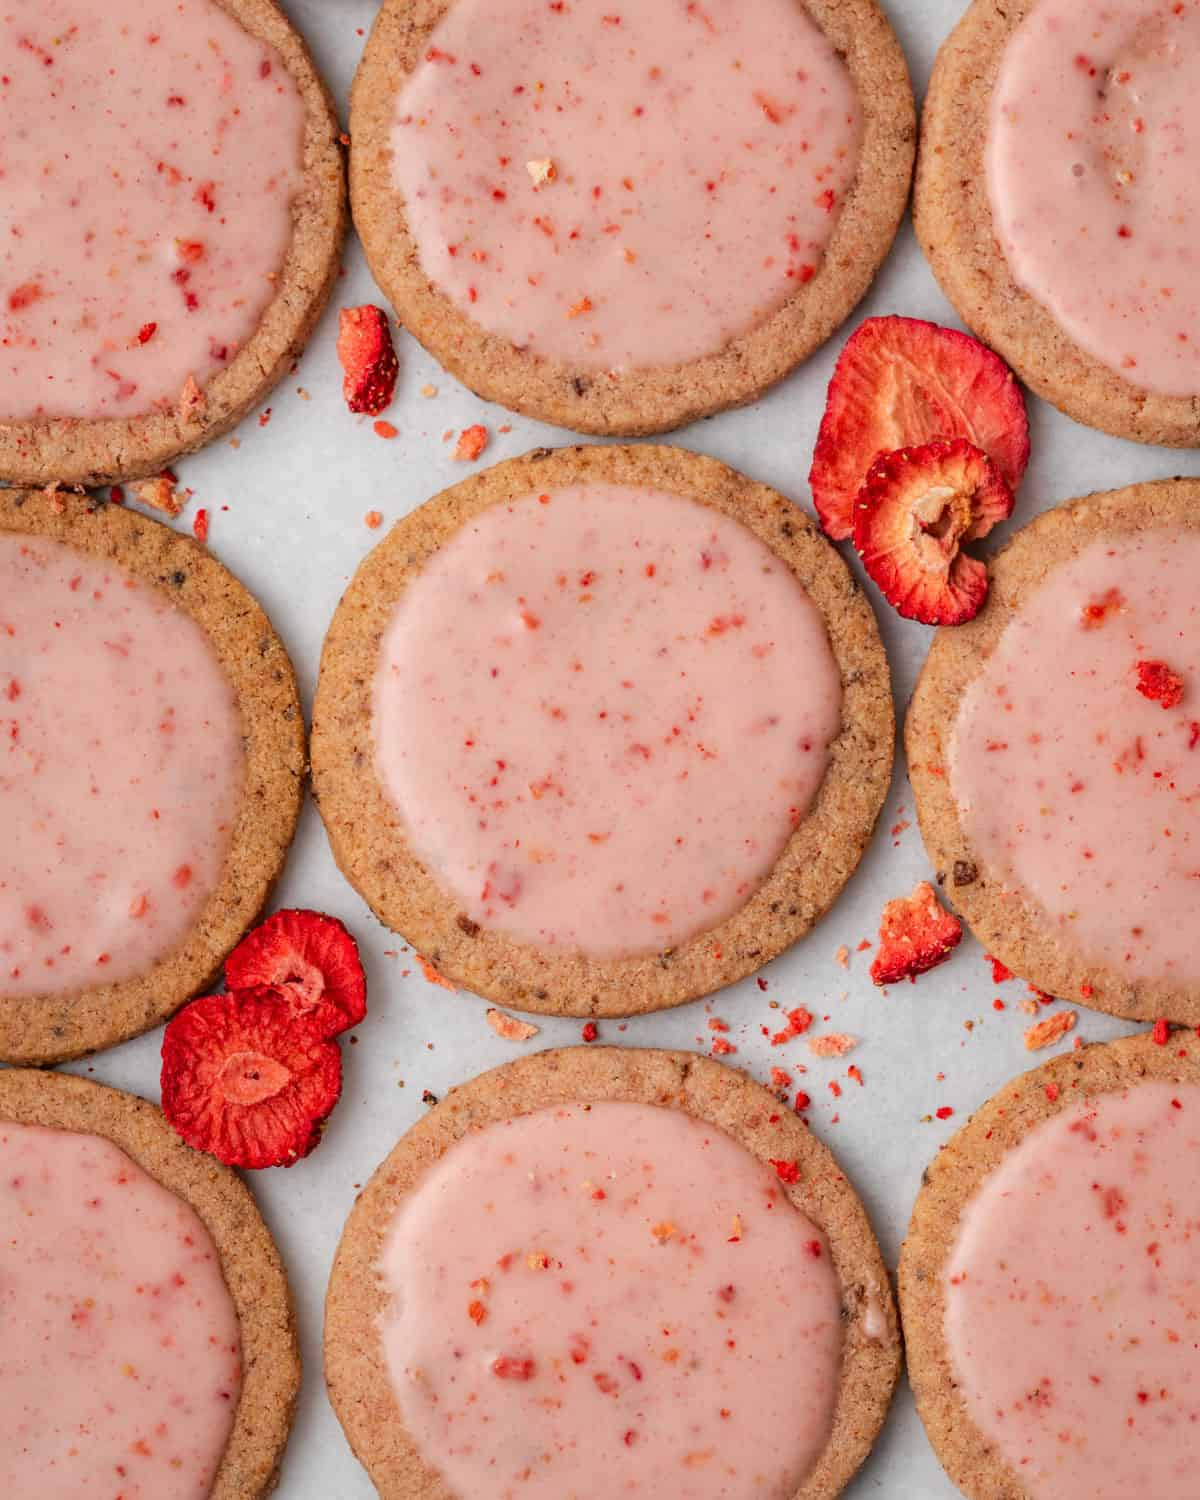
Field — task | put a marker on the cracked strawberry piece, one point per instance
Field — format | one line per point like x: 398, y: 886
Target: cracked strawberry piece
x: 912, y: 517
x: 248, y: 1080
x: 900, y: 382
x: 369, y: 363
x: 1156, y: 681
x: 309, y: 957
x: 916, y: 933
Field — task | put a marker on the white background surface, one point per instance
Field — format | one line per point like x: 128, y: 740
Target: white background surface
x: 297, y: 491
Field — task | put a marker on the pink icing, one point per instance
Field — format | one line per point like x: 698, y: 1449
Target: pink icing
x: 1094, y: 135
x: 121, y: 1367
x: 601, y: 714
x: 610, y: 1290
x: 152, y: 150
x: 701, y: 153
x: 120, y: 769
x: 1072, y: 1295
x: 1073, y: 785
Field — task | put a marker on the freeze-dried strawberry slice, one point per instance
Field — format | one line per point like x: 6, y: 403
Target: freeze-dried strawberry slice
x: 915, y: 934
x: 913, y: 514
x: 364, y: 347
x: 898, y: 383
x: 247, y: 1080
x: 310, y: 956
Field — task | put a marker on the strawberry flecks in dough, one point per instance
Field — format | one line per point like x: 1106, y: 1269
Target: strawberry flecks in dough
x: 644, y: 1274
x: 121, y: 764
x: 551, y: 161
x: 1071, y: 1298
x: 148, y: 202
x: 116, y: 1324
x: 1073, y: 786
x: 577, y: 754
x: 1091, y: 179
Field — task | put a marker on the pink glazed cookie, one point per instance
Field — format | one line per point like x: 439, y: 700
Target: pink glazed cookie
x: 174, y: 209
x: 151, y: 767
x: 150, y: 1348
x: 1048, y: 1282
x: 596, y: 1270
x: 1054, y: 752
x: 1056, y: 202
x: 563, y: 215
x: 602, y: 729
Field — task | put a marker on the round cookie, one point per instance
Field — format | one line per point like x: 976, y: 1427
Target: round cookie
x: 639, y: 398
x: 1006, y: 916
x: 40, y: 449
x: 373, y: 846
x: 355, y: 1368
x: 249, y: 1262
x: 956, y: 226
x: 51, y: 1026
x: 958, y: 1173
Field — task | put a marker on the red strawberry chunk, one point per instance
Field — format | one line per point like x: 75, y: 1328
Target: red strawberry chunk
x: 312, y: 960
x: 898, y: 383
x: 916, y: 933
x: 247, y: 1080
x: 913, y: 514
x: 369, y: 363
x: 1156, y: 681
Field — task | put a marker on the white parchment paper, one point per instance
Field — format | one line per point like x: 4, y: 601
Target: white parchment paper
x: 296, y: 492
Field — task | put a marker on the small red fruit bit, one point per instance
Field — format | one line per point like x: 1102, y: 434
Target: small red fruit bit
x: 312, y: 959
x: 916, y: 509
x: 247, y: 1079
x: 1156, y: 681
x: 915, y: 934
x: 1162, y: 1032
x: 787, y: 1171
x: 364, y: 347
x: 901, y: 381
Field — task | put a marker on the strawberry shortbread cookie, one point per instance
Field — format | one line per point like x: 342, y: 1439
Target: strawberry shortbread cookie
x: 173, y: 202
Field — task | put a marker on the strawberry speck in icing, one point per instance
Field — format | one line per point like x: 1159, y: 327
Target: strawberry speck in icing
x: 1073, y: 785
x: 1092, y: 144
x: 1071, y: 1299
x: 121, y: 765
x: 148, y: 201
x: 571, y: 187
x: 601, y: 713
x: 117, y: 1328
x: 565, y: 1298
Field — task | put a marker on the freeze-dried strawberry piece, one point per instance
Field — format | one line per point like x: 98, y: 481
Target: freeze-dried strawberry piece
x: 312, y: 959
x: 247, y: 1079
x: 915, y: 934
x: 1156, y: 681
x: 898, y: 383
x: 364, y: 347
x: 916, y: 509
